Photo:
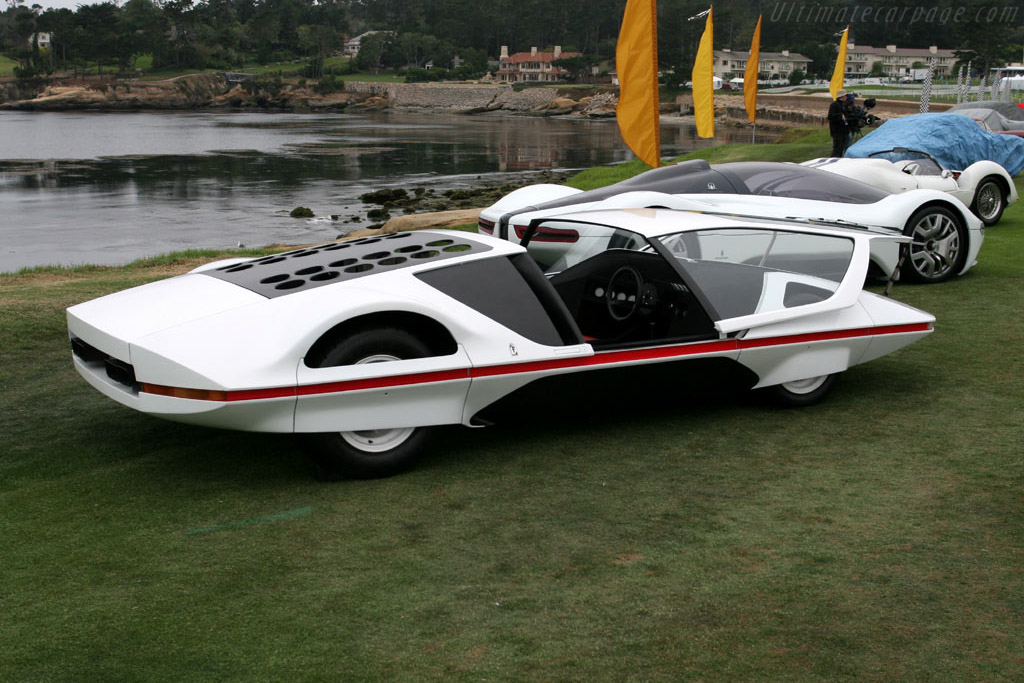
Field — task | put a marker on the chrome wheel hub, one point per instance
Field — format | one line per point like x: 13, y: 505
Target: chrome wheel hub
x: 936, y: 245
x: 804, y: 386
x: 989, y: 200
x: 377, y: 440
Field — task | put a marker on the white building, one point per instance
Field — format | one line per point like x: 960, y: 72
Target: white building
x: 895, y: 61
x: 732, y: 63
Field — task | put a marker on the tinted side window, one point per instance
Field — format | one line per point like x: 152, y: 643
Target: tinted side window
x: 745, y: 271
x: 495, y: 288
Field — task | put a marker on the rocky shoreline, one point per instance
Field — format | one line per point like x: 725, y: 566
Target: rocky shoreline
x: 393, y: 206
x: 216, y: 91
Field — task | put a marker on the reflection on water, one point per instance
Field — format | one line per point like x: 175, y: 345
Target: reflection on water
x: 107, y: 188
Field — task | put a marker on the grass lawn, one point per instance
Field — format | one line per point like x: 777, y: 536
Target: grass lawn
x: 876, y: 536
x: 7, y: 67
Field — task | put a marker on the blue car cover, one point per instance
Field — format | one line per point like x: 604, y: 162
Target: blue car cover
x: 955, y: 141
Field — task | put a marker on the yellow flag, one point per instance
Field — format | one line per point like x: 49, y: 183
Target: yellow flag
x: 836, y: 84
x: 636, y: 61
x: 703, y: 83
x: 750, y: 75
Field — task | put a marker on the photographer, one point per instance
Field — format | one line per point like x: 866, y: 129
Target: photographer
x: 839, y: 123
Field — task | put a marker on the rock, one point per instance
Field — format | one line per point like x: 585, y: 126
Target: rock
x: 373, y: 103
x: 386, y: 195
x: 184, y: 92
x: 302, y: 212
x: 437, y: 219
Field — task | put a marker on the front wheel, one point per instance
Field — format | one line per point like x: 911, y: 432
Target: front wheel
x: 989, y: 201
x: 939, y: 247
x: 370, y: 453
x: 801, y: 392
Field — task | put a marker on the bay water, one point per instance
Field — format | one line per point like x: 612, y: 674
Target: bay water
x: 107, y: 188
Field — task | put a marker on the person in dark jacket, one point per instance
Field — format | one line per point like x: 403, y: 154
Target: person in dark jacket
x: 838, y: 125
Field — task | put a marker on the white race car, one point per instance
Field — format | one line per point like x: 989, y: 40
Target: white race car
x: 367, y: 344
x: 985, y: 186
x: 946, y: 236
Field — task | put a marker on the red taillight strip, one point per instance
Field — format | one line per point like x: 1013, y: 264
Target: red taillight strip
x: 600, y: 358
x: 485, y: 226
x: 307, y: 389
x: 548, y: 234
x: 217, y: 395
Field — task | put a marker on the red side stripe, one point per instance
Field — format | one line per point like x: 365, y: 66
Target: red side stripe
x: 600, y: 358
x: 839, y: 334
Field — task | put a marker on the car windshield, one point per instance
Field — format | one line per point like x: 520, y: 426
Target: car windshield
x: 801, y: 182
x: 743, y: 271
x: 737, y: 271
x: 922, y: 162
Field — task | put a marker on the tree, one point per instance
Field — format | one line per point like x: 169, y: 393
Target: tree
x: 317, y: 41
x: 147, y: 29
x: 416, y: 48
x: 578, y: 66
x: 371, y: 51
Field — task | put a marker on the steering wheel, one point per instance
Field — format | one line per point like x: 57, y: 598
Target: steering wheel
x: 623, y: 293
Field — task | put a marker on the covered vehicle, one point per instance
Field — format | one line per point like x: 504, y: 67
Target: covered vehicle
x: 1008, y: 109
x: 985, y: 186
x: 946, y: 235
x: 955, y: 141
x: 991, y: 119
x: 366, y: 345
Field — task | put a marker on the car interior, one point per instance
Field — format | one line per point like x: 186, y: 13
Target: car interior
x: 622, y: 296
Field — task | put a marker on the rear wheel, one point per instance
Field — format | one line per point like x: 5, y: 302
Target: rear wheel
x: 370, y: 453
x: 939, y: 246
x: 802, y: 392
x: 989, y: 201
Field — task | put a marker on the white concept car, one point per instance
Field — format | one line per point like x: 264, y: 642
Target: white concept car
x: 367, y: 344
x: 946, y: 236
x: 985, y: 186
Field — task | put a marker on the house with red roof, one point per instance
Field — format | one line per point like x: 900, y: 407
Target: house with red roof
x: 533, y: 66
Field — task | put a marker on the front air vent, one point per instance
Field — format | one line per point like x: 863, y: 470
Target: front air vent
x: 303, y: 269
x: 116, y: 370
x: 86, y: 352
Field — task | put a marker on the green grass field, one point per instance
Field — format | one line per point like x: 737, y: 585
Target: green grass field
x: 7, y: 67
x: 877, y: 536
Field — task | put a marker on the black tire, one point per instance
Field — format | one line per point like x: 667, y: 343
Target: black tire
x: 989, y: 200
x: 939, y: 249
x: 801, y: 393
x: 375, y: 453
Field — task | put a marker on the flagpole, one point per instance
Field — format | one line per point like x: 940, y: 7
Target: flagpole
x: 703, y: 77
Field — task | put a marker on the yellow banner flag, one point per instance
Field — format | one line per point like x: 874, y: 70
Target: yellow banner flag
x: 751, y: 73
x: 836, y: 84
x: 636, y: 61
x: 703, y: 76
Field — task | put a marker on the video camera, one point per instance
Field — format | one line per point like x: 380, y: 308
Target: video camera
x: 858, y: 117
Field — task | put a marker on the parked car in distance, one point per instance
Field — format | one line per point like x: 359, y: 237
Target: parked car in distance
x: 985, y: 186
x: 946, y: 235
